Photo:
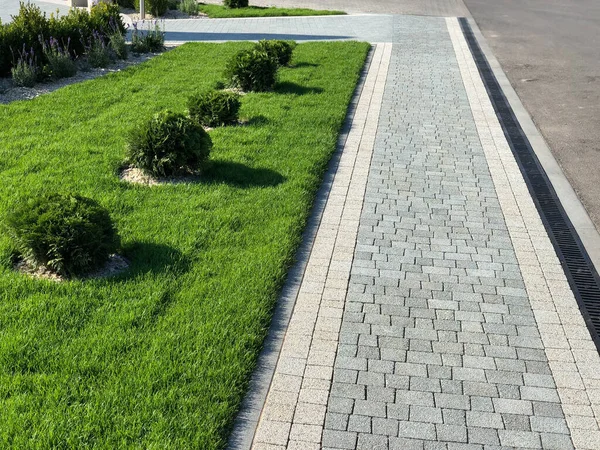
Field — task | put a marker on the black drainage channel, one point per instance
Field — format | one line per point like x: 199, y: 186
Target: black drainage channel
x: 579, y: 269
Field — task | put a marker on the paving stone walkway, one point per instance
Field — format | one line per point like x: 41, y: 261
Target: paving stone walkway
x: 433, y: 312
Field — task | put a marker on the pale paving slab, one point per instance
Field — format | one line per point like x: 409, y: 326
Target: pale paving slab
x: 572, y: 356
x: 371, y: 28
x: 439, y: 346
x: 294, y: 411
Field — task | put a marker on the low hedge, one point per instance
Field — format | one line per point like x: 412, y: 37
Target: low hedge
x: 30, y: 28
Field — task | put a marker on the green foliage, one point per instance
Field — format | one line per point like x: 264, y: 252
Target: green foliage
x: 30, y: 27
x: 25, y: 71
x: 23, y: 31
x: 214, y: 108
x: 252, y: 70
x: 69, y: 234
x: 222, y: 12
x: 169, y: 144
x: 130, y: 4
x: 155, y: 359
x: 98, y: 52
x: 105, y: 18
x: 189, y: 7
x: 235, y: 3
x: 281, y: 51
x: 60, y: 63
x: 151, y: 39
x: 118, y: 45
x: 155, y: 7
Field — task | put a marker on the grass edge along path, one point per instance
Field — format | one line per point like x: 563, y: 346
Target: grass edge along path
x: 160, y: 356
x: 222, y: 12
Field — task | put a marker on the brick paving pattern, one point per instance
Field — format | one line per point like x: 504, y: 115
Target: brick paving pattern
x: 439, y: 344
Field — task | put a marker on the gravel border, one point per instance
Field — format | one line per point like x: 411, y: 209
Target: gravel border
x: 10, y: 93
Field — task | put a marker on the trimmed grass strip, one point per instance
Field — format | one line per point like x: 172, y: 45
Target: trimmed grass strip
x: 160, y: 356
x: 222, y: 12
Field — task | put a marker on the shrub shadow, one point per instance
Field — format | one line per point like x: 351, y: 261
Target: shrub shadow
x: 149, y: 257
x: 287, y: 87
x: 240, y: 175
x: 258, y: 121
x: 303, y: 64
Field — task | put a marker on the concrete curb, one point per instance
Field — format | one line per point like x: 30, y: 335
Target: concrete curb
x: 248, y: 417
x: 573, y: 207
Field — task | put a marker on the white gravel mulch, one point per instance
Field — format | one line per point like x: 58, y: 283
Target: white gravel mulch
x: 115, y: 265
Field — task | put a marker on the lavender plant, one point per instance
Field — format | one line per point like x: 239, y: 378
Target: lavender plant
x: 116, y: 40
x: 149, y: 37
x: 25, y: 70
x: 189, y: 7
x: 60, y: 63
x: 98, y: 53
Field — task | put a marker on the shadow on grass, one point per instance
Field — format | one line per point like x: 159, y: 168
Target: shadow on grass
x: 145, y: 257
x: 258, y: 121
x: 240, y: 175
x: 287, y: 87
x: 303, y: 64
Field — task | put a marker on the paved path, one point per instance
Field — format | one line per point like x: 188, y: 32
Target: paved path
x: 371, y: 28
x: 433, y: 311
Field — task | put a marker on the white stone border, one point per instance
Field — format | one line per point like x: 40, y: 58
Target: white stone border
x: 294, y: 413
x: 572, y: 355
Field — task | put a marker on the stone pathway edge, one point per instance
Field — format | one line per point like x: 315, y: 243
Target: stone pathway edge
x: 572, y: 355
x: 294, y: 412
x: 246, y: 421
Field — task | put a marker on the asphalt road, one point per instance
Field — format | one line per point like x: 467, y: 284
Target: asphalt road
x: 550, y: 51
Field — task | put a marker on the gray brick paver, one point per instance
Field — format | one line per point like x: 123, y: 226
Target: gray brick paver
x: 438, y: 322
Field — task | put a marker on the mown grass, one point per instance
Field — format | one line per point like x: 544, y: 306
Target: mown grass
x: 222, y: 12
x: 160, y: 356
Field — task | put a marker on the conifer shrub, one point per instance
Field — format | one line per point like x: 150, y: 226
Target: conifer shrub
x: 69, y: 234
x: 169, y: 144
x: 215, y: 108
x: 281, y: 51
x: 252, y: 70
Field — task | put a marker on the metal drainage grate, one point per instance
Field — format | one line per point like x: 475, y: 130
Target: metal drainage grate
x: 579, y: 269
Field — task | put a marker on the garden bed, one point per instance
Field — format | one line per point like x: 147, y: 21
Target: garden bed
x: 160, y: 355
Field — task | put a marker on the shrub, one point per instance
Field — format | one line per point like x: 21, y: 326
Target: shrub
x: 189, y: 7
x: 24, y: 30
x: 118, y: 45
x: 281, y: 51
x: 252, y: 70
x: 105, y: 18
x: 150, y: 40
x: 31, y: 27
x: 126, y: 3
x: 169, y: 144
x: 236, y: 3
x: 69, y: 234
x: 60, y: 64
x: 25, y: 71
x: 98, y: 53
x: 155, y: 7
x: 214, y: 108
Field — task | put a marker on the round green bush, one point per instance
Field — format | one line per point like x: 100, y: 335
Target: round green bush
x: 215, y: 108
x: 69, y: 234
x: 236, y: 3
x: 169, y: 144
x: 252, y: 70
x: 281, y: 51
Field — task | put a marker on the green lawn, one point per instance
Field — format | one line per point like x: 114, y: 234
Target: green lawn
x: 160, y: 357
x: 221, y: 12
